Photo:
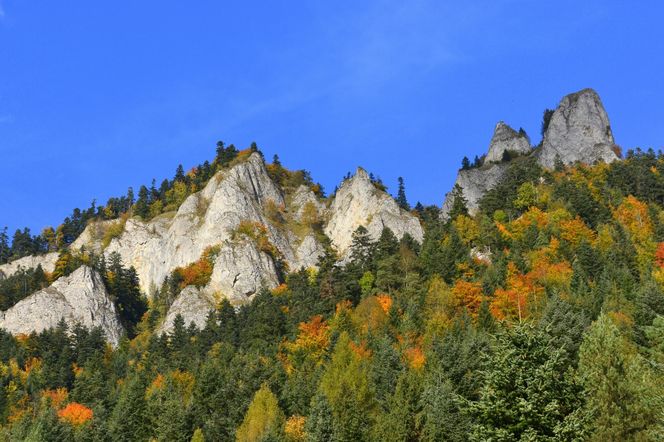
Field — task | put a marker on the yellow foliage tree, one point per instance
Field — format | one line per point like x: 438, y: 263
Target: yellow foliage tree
x: 263, y: 419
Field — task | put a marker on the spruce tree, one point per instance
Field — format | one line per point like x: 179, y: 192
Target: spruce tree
x: 402, y: 201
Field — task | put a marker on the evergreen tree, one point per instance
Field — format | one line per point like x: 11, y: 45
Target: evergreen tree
x: 527, y: 392
x: 346, y: 386
x: 142, y: 207
x: 459, y: 203
x: 5, y: 251
x: 129, y: 420
x: 443, y: 416
x: 624, y: 397
x: 179, y: 174
x: 319, y: 424
x: 402, y: 201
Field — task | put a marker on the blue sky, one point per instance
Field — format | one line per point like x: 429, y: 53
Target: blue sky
x: 98, y: 96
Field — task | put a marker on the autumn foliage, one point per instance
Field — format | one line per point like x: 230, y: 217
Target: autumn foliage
x: 75, y: 414
x: 199, y: 273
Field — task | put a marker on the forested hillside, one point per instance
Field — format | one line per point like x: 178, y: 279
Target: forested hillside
x: 541, y: 317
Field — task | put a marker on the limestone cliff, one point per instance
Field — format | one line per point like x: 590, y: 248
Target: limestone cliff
x: 47, y: 262
x: 78, y: 298
x: 359, y: 203
x: 241, y: 194
x: 474, y: 183
x: 193, y: 305
x: 578, y: 131
x: 506, y: 139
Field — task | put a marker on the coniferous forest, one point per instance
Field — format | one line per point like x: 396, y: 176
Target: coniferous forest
x: 539, y: 318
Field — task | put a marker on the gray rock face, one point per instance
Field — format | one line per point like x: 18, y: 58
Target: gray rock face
x: 208, y: 218
x: 579, y: 130
x: 78, y: 298
x: 474, y: 184
x: 303, y: 197
x: 308, y: 252
x: 506, y: 139
x: 193, y: 305
x: 241, y: 270
x: 359, y: 203
x: 47, y: 262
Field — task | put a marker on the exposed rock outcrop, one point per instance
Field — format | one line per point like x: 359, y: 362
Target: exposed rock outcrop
x: 207, y: 218
x: 47, y: 262
x: 474, y: 184
x: 241, y: 270
x: 578, y: 130
x: 78, y: 298
x: 506, y: 139
x: 359, y: 203
x: 193, y: 305
x: 304, y: 198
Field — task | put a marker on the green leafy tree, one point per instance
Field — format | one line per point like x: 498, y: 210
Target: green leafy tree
x: 346, y: 386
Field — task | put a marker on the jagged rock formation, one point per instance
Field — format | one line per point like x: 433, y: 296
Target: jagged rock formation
x: 78, y: 298
x: 303, y: 199
x: 506, y: 139
x: 193, y: 305
x: 359, y: 203
x: 207, y: 218
x: 47, y: 262
x: 246, y: 194
x: 578, y: 130
x: 474, y: 184
x: 240, y: 270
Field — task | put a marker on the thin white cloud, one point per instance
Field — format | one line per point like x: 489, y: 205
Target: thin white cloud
x: 2, y: 11
x: 6, y: 119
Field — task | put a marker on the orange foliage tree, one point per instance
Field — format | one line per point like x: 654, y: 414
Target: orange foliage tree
x: 659, y: 255
x: 467, y: 295
x: 633, y: 215
x: 75, y: 414
x: 199, y: 273
x: 311, y: 343
x: 521, y: 296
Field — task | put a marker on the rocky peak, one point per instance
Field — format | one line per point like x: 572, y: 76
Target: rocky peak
x: 506, y: 139
x: 474, y: 183
x: 47, y: 262
x: 358, y: 202
x: 78, y: 298
x: 245, y: 193
x: 578, y: 131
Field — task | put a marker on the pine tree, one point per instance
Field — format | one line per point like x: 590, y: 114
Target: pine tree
x: 459, y: 203
x: 362, y: 247
x: 142, y: 207
x: 443, y: 416
x: 129, y: 420
x: 5, y: 250
x: 401, y: 196
x: 179, y: 174
x: 624, y: 397
x: 319, y: 424
x: 527, y: 392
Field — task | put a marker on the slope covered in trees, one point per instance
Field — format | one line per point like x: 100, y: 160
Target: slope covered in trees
x: 539, y: 318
